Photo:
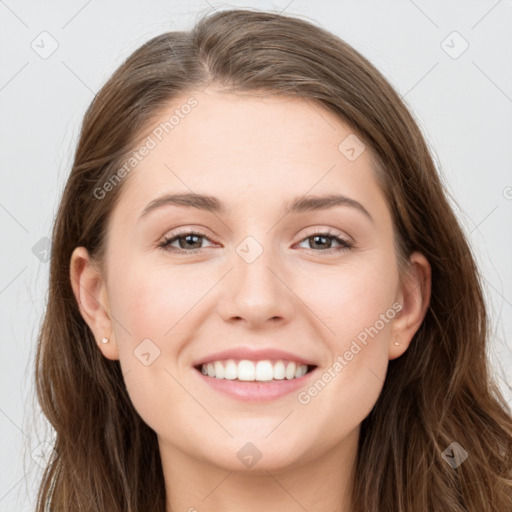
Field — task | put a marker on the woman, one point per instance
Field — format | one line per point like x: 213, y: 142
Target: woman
x: 259, y: 294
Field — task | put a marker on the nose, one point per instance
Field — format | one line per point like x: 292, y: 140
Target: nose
x: 256, y: 293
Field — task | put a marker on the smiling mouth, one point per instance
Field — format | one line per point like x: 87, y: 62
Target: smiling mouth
x: 245, y: 370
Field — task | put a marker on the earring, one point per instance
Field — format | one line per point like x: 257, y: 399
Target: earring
x: 104, y: 340
x: 396, y: 343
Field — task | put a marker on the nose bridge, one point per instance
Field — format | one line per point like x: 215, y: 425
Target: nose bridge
x: 255, y: 293
x: 256, y: 283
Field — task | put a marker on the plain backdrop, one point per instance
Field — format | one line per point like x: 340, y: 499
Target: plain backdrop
x: 451, y: 62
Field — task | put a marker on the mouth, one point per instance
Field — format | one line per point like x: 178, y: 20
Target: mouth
x: 255, y: 382
x: 250, y: 371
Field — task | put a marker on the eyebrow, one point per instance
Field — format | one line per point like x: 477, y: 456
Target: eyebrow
x: 212, y: 204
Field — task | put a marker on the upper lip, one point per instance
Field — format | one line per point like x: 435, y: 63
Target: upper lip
x: 253, y: 354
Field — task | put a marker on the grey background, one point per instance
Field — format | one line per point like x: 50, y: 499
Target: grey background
x: 462, y: 100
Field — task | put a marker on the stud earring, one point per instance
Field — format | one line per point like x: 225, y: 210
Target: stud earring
x: 104, y: 340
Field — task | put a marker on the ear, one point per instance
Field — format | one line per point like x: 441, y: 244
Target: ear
x: 414, y: 296
x: 90, y: 293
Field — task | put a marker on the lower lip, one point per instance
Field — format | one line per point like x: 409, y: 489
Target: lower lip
x: 255, y: 391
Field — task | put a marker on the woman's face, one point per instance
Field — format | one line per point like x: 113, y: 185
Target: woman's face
x: 272, y: 267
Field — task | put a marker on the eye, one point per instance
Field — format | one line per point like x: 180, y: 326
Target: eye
x: 191, y: 241
x: 324, y: 241
x: 188, y: 242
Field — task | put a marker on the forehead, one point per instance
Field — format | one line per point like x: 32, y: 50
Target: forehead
x: 248, y: 149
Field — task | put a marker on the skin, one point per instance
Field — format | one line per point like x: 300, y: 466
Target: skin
x: 254, y: 153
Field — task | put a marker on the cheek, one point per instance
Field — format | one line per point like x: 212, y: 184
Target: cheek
x: 351, y: 297
x: 154, y: 310
x: 154, y: 302
x: 344, y: 392
x: 356, y: 306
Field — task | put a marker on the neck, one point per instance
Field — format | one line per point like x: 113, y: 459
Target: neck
x: 320, y: 481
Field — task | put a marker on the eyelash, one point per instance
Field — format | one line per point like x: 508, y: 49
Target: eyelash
x: 345, y: 244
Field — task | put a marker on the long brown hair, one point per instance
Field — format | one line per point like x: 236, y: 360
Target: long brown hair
x: 440, y: 391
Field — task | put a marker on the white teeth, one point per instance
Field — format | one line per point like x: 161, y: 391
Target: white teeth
x: 300, y: 371
x: 279, y: 370
x: 246, y: 370
x: 264, y: 370
x: 230, y: 370
x: 290, y: 371
x: 219, y: 370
